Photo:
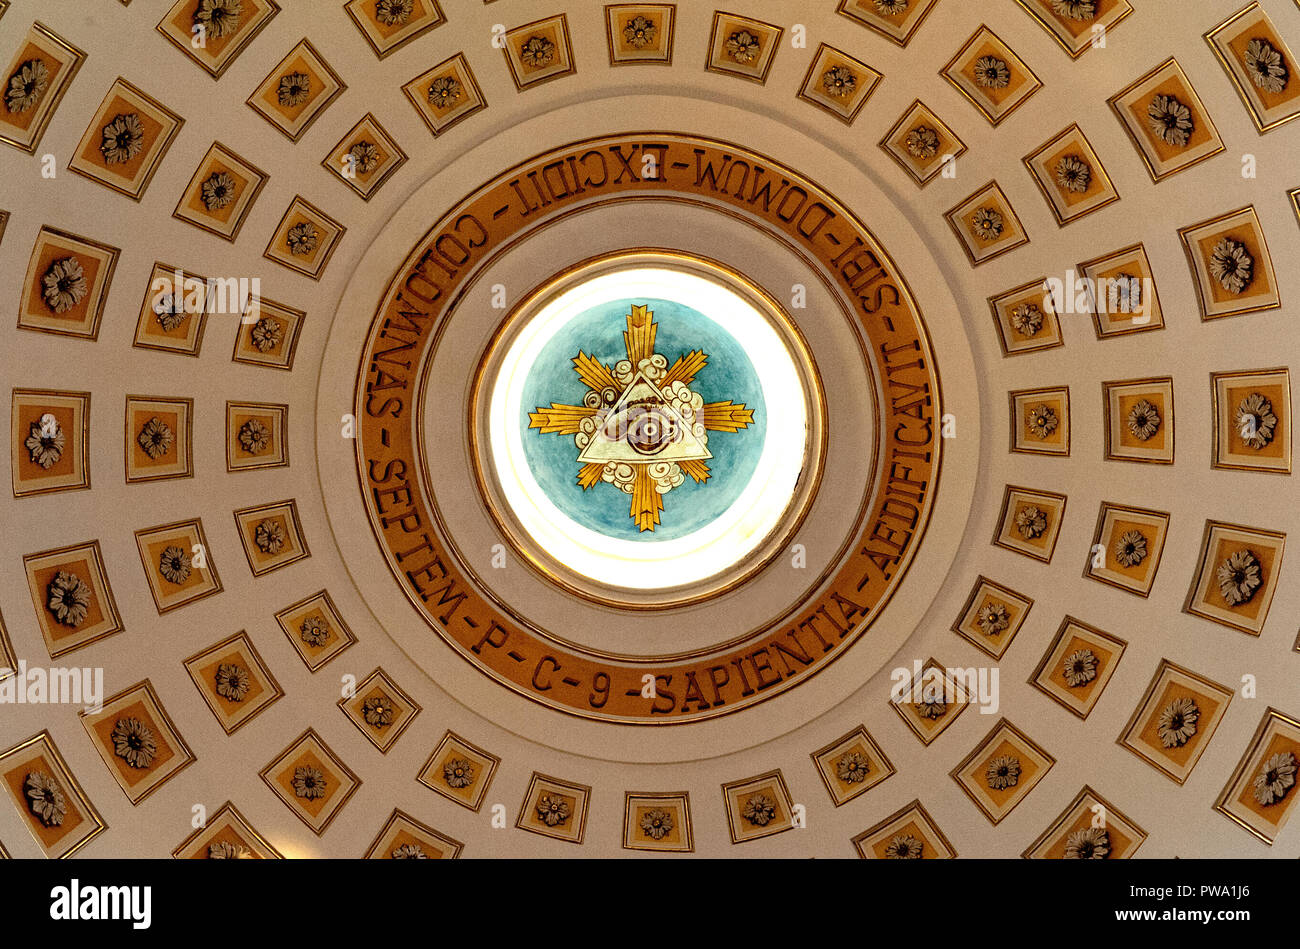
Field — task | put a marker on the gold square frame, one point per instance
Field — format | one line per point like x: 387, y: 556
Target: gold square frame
x: 897, y: 28
x: 679, y: 838
x: 986, y: 591
x: 8, y: 662
x: 996, y: 109
x: 919, y: 115
x: 1009, y: 537
x: 1075, y: 44
x: 992, y: 198
x: 295, y: 127
x: 307, y: 747
x: 659, y: 52
x: 1087, y: 808
x: 554, y: 30
x: 295, y: 546
x: 90, y: 559
x: 927, y: 730
x: 1115, y: 573
x: 1100, y: 191
x: 1035, y: 295
x: 859, y: 742
x: 826, y: 60
x: 367, y: 183
x: 72, y: 470
x: 226, y: 225
x: 1275, y: 386
x: 386, y: 41
x: 151, y: 157
x: 1215, y: 301
x: 1118, y: 399
x: 143, y: 695
x: 403, y: 830
x: 140, y: 468
x: 272, y: 416
x: 280, y: 354
x: 1277, y: 734
x: 872, y: 845
x: 320, y: 606
x: 382, y: 737
x: 1267, y: 548
x: 206, y: 580
x: 727, y: 24
x: 483, y: 765
x: 1168, y: 76
x: 215, y: 64
x: 186, y: 338
x: 541, y: 785
x: 226, y: 826
x: 1173, y: 679
x: 739, y: 795
x: 1108, y: 269
x: 1002, y: 735
x: 41, y: 747
x: 1021, y: 401
x: 232, y: 715
x: 457, y: 69
x: 27, y: 137
x: 86, y: 315
x: 1266, y: 111
x: 313, y: 263
x: 1049, y: 675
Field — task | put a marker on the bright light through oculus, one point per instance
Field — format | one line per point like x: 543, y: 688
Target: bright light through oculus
x: 648, y: 428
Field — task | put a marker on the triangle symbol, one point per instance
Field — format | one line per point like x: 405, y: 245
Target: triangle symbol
x: 643, y: 428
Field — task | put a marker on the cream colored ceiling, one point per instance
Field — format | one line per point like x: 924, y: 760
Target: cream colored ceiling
x: 909, y: 221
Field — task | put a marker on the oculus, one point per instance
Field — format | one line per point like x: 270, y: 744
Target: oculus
x: 681, y: 447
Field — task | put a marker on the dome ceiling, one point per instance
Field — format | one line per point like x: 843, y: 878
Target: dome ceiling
x: 854, y: 431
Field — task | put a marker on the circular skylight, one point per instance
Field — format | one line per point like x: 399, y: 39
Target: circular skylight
x: 648, y: 426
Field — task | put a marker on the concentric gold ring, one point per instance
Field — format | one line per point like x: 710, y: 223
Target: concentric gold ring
x: 422, y: 298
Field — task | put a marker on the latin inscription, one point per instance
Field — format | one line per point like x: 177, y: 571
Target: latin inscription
x: 617, y: 169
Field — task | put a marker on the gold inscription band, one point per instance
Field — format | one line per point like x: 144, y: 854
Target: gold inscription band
x: 425, y: 292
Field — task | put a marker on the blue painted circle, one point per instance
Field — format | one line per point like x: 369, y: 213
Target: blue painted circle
x: 729, y: 374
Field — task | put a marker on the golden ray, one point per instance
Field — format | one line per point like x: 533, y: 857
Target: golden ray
x: 698, y: 470
x: 685, y: 369
x: 726, y: 416
x: 589, y: 475
x: 639, y: 337
x: 594, y: 375
x: 646, y: 501
x: 559, y: 419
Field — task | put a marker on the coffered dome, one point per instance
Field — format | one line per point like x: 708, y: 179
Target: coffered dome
x: 850, y: 428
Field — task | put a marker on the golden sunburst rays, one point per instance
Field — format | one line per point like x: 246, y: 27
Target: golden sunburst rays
x: 640, y: 427
x: 647, y: 501
x: 560, y: 419
x: 639, y: 337
x: 726, y: 416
